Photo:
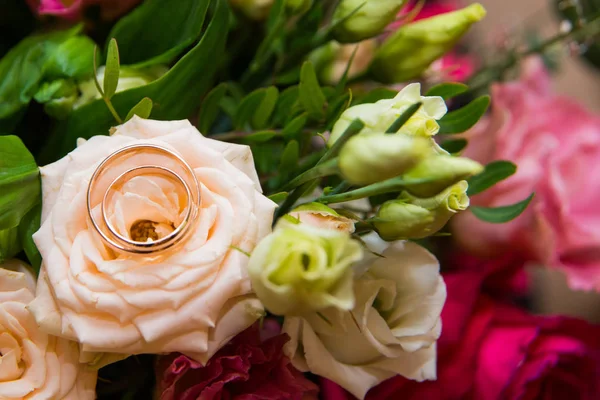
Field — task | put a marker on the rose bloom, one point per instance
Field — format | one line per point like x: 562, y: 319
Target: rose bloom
x: 72, y: 9
x: 392, y: 329
x: 192, y: 300
x: 556, y: 144
x: 251, y: 367
x: 491, y: 351
x: 33, y: 364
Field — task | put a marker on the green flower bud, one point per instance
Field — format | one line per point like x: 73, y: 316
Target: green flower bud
x: 58, y: 97
x: 379, y: 116
x: 331, y: 60
x: 408, y: 52
x: 298, y: 7
x: 441, y: 171
x: 299, y: 268
x: 254, y: 9
x: 321, y: 216
x: 368, y: 21
x: 129, y: 78
x: 367, y: 159
x: 411, y: 217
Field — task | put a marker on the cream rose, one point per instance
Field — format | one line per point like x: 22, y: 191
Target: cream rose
x: 33, y: 364
x: 191, y: 300
x: 392, y: 329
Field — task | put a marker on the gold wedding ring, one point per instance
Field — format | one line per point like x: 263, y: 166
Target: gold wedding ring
x: 118, y: 169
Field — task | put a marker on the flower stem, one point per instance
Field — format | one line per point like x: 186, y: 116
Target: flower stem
x: 390, y: 185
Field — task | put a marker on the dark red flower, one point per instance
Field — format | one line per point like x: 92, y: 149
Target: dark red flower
x: 245, y: 369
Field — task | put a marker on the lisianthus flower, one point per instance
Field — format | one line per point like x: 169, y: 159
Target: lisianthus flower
x: 392, y: 330
x: 33, y: 364
x: 247, y: 368
x: 192, y: 299
x: 556, y: 144
x: 491, y: 351
x: 73, y: 9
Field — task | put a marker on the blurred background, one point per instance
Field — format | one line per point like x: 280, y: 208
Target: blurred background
x: 573, y: 77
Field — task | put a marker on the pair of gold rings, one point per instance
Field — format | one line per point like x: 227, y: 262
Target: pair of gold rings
x: 178, y: 171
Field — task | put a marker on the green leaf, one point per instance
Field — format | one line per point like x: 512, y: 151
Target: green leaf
x: 278, y: 197
x: 289, y: 158
x: 311, y: 95
x: 247, y: 108
x: 155, y: 33
x: 447, y: 90
x: 27, y: 65
x: 500, y: 215
x: 454, y: 146
x: 294, y: 128
x: 464, y: 118
x: 72, y: 58
x: 141, y: 109
x: 29, y: 225
x: 493, y: 173
x: 209, y: 111
x: 111, y: 72
x: 288, y: 100
x: 19, y: 181
x: 175, y: 95
x: 260, y: 137
x: 266, y: 107
x: 10, y: 244
x: 402, y: 119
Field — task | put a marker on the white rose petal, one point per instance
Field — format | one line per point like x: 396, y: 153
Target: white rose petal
x: 33, y: 364
x: 391, y: 331
x: 192, y: 300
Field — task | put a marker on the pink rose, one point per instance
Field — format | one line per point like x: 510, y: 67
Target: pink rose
x: 251, y: 367
x: 556, y: 144
x: 491, y: 351
x: 72, y: 9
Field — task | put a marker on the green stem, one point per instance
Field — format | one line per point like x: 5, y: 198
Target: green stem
x: 342, y: 187
x: 402, y: 119
x: 390, y: 185
x: 319, y: 171
x: 112, y: 110
x: 353, y: 129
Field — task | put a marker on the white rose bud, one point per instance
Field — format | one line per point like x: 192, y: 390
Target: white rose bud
x: 299, y: 268
x: 367, y: 159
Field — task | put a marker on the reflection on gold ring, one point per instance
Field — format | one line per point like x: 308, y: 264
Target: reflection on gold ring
x: 106, y: 230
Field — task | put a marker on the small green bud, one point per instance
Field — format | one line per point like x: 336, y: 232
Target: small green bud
x: 58, y: 97
x: 365, y: 22
x: 411, y: 217
x: 299, y: 268
x: 331, y: 60
x: 441, y: 171
x: 321, y: 216
x: 379, y: 116
x: 408, y: 52
x: 367, y: 159
x: 254, y: 9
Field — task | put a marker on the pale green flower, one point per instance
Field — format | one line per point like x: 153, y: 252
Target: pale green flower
x: 367, y: 159
x: 410, y: 217
x: 409, y: 51
x: 368, y: 21
x: 300, y: 268
x: 379, y: 116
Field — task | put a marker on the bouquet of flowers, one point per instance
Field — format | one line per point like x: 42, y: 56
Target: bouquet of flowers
x: 250, y: 199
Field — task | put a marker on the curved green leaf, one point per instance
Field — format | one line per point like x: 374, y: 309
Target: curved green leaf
x: 447, y: 90
x: 311, y: 95
x: 209, y: 110
x: 156, y: 32
x: 19, y: 181
x: 493, y: 173
x: 464, y: 118
x: 111, y: 72
x: 29, y: 225
x: 500, y: 215
x: 141, y: 109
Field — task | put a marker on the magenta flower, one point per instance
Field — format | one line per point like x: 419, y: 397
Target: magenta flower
x: 247, y: 368
x: 72, y: 9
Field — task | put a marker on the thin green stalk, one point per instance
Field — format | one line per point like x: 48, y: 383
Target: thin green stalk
x: 319, y: 171
x: 390, y: 185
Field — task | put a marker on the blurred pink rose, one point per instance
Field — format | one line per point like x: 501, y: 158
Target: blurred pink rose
x: 492, y: 351
x: 454, y: 66
x: 556, y: 144
x: 251, y: 367
x: 72, y: 9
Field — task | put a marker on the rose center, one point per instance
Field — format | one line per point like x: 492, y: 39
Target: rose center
x: 150, y: 231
